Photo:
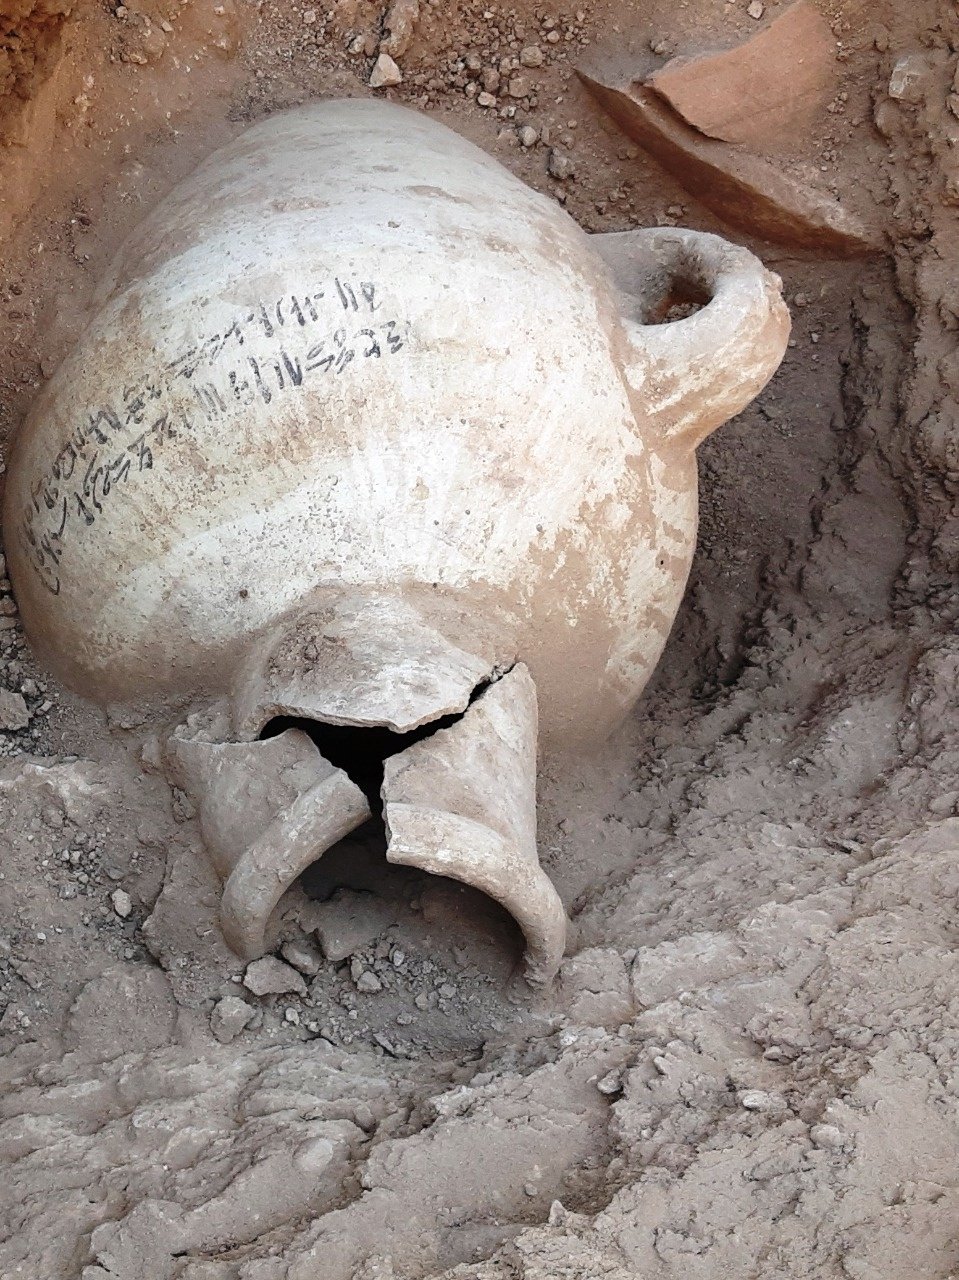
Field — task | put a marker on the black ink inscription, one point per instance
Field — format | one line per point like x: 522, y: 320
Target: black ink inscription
x: 115, y: 443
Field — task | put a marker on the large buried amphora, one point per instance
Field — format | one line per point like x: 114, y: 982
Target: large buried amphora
x: 366, y: 434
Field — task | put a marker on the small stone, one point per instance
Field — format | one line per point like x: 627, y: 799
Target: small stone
x: 826, y: 1136
x: 528, y: 137
x: 302, y: 954
x: 908, y: 73
x: 759, y: 1100
x: 368, y: 983
x: 531, y: 56
x: 292, y: 1016
x: 122, y: 903
x: 485, y: 100
x: 229, y: 1017
x: 397, y: 958
x: 490, y: 80
x: 270, y: 976
x: 447, y: 991
x: 422, y: 1001
x: 560, y: 164
x: 610, y: 1084
x: 756, y: 9
x: 309, y: 17
x: 13, y: 710
x: 399, y: 25
x: 519, y: 87
x: 357, y: 45
x: 385, y: 73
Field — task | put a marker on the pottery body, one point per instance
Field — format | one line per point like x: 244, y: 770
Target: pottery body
x: 353, y: 363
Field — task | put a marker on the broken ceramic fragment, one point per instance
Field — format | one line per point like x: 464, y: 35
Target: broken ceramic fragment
x: 756, y: 91
x: 370, y: 463
x: 745, y: 190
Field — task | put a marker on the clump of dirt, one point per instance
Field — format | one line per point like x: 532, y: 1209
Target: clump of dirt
x: 748, y: 1063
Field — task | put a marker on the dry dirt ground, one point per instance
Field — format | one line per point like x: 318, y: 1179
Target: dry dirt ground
x: 748, y: 1066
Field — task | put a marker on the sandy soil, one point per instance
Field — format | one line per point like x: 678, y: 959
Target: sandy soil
x: 748, y: 1066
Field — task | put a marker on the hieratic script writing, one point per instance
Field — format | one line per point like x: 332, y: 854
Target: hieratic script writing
x: 294, y: 345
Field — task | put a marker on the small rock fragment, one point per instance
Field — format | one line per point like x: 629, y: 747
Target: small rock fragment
x: 519, y: 87
x: 560, y: 164
x: 385, y: 73
x: 270, y: 976
x: 760, y: 1100
x: 528, y: 136
x: 485, y: 100
x: 905, y: 83
x: 302, y: 954
x: 229, y: 1017
x: 399, y: 24
x: 13, y: 710
x: 756, y: 9
x: 122, y: 903
x: 610, y: 1084
x: 531, y: 56
x: 364, y: 979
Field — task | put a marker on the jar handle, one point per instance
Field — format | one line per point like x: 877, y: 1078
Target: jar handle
x: 693, y: 373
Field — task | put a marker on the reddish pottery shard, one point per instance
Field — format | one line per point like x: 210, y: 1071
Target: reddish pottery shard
x: 768, y: 86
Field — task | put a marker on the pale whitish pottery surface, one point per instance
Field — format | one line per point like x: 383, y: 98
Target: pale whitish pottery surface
x: 507, y: 451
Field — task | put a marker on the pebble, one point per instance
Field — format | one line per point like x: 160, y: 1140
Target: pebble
x: 270, y: 976
x: 760, y: 1100
x: 385, y: 73
x: 229, y: 1017
x: 519, y: 87
x: 122, y: 903
x: 528, y: 136
x: 302, y: 954
x: 610, y: 1084
x: 485, y: 100
x: 531, y: 56
x: 756, y: 9
x: 399, y: 25
x: 368, y: 983
x: 13, y: 710
x: 560, y: 164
